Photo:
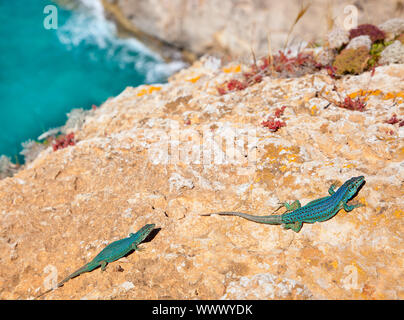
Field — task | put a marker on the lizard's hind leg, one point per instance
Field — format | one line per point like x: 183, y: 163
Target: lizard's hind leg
x: 289, y: 207
x: 103, y: 265
x: 295, y: 226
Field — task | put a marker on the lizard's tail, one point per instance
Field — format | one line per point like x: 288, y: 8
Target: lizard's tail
x: 272, y: 219
x: 43, y: 293
x: 83, y: 269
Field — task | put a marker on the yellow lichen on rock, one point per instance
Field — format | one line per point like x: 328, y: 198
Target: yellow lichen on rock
x: 232, y: 69
x: 147, y: 90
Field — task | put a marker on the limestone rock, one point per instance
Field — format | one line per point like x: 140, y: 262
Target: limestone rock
x: 393, y: 53
x: 361, y: 41
x: 167, y: 153
x: 393, y: 27
x: 337, y: 38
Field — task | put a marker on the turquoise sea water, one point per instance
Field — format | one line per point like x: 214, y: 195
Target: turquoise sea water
x: 46, y: 73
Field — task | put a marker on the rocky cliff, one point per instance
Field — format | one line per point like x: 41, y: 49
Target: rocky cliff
x: 235, y: 27
x: 167, y: 153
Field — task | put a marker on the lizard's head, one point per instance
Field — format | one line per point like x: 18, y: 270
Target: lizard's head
x: 353, y: 185
x: 144, y: 231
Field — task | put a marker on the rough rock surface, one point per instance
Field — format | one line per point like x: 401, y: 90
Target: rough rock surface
x: 67, y: 205
x: 234, y: 27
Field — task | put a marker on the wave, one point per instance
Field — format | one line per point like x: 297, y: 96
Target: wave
x: 88, y: 26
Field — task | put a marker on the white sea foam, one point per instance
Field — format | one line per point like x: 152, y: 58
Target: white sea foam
x: 88, y: 26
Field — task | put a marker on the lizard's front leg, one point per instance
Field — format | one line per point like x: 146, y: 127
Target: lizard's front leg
x: 135, y: 247
x: 331, y: 190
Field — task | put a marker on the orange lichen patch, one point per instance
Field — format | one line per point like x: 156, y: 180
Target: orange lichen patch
x: 363, y: 201
x: 360, y: 270
x: 147, y: 90
x: 287, y: 149
x: 353, y: 95
x: 389, y: 95
x: 398, y: 213
x: 232, y: 69
x: 292, y: 157
x: 257, y: 179
x: 348, y: 165
x: 313, y: 110
x: 376, y: 92
x: 276, y: 160
x: 365, y: 93
x: 194, y: 79
x: 385, y: 96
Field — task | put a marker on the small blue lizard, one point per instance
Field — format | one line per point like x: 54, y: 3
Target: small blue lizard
x: 110, y: 253
x: 317, y: 210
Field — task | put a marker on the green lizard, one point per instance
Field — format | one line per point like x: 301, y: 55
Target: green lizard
x: 315, y: 211
x: 110, y: 253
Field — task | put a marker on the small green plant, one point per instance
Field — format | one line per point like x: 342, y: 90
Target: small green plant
x: 375, y: 51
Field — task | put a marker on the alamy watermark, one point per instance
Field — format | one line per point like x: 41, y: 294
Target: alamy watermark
x: 51, y: 20
x: 351, y: 19
x: 218, y: 146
